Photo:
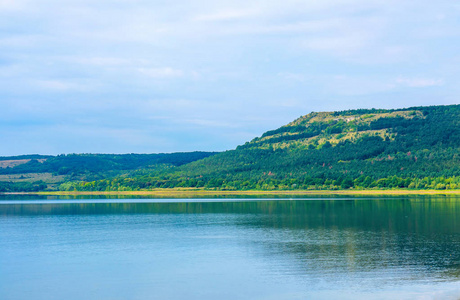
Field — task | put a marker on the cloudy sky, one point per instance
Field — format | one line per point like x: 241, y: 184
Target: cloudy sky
x: 145, y: 76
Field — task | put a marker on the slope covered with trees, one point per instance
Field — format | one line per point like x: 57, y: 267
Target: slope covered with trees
x: 38, y: 172
x: 417, y: 147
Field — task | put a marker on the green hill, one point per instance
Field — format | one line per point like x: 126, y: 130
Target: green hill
x: 38, y: 172
x: 362, y: 148
x: 417, y: 147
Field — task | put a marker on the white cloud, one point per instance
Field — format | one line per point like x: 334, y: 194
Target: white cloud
x: 172, y: 104
x: 293, y: 77
x: 346, y: 85
x: 101, y: 61
x: 162, y: 73
x: 6, y: 5
x: 59, y: 85
x: 285, y: 103
x: 419, y: 82
x: 23, y: 40
x: 336, y: 45
x: 226, y: 15
x: 209, y: 123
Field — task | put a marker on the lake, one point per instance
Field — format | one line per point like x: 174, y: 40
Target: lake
x: 224, y: 248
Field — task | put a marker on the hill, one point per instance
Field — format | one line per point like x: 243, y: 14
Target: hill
x: 416, y: 148
x: 38, y: 172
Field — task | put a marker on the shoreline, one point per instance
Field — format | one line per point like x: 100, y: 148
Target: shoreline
x: 204, y: 193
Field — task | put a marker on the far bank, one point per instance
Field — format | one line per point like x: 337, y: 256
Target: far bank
x: 193, y: 193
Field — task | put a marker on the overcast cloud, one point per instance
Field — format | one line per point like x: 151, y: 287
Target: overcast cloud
x: 164, y: 76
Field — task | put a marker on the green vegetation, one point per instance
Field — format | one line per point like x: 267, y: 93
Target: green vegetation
x: 36, y: 172
x: 414, y: 148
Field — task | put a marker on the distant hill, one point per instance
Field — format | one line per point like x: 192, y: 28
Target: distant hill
x: 37, y: 172
x: 417, y: 147
x: 93, y: 163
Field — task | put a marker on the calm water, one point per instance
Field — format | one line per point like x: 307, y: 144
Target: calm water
x: 347, y: 248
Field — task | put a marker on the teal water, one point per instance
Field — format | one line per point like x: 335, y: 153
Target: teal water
x: 317, y: 248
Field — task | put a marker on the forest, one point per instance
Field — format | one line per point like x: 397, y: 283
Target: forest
x: 413, y: 148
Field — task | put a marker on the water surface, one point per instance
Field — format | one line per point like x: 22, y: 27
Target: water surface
x: 316, y: 248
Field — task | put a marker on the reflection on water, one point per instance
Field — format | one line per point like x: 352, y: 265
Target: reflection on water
x: 279, y: 249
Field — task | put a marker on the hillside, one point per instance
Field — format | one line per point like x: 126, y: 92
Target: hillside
x: 38, y: 172
x: 417, y: 148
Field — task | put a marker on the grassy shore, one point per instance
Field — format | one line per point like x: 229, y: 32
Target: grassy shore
x: 192, y: 193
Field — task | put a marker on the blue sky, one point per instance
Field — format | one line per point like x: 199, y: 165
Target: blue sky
x: 81, y: 76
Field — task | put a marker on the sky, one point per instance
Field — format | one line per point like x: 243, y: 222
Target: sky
x: 151, y: 76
